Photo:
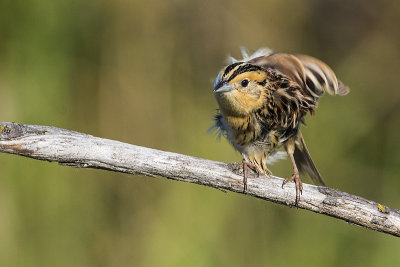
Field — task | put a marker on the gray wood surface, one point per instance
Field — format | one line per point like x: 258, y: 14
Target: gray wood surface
x: 86, y: 151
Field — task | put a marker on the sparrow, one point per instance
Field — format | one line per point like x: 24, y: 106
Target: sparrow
x: 263, y: 100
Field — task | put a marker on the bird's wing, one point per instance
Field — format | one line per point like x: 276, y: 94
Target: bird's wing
x: 307, y: 72
x: 322, y: 76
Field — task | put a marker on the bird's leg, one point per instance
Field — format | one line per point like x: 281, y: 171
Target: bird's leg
x: 295, y: 178
x: 251, y: 166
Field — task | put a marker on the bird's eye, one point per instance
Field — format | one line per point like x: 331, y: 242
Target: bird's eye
x: 245, y: 82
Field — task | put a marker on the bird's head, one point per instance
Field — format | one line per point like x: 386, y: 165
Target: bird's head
x: 240, y: 89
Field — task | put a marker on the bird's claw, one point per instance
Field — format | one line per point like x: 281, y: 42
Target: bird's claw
x: 299, y: 185
x: 252, y: 167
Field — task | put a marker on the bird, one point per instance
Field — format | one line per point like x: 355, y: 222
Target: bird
x: 263, y: 99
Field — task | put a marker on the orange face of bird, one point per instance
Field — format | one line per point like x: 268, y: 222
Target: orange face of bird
x: 240, y: 89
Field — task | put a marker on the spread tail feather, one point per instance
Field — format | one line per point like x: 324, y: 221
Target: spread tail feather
x: 304, y: 162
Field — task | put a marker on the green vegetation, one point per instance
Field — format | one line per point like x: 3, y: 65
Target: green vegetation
x: 141, y: 72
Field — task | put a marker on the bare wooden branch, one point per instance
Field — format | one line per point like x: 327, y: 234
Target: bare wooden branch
x: 86, y: 151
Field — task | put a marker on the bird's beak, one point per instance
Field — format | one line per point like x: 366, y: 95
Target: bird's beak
x: 223, y: 88
x: 220, y: 86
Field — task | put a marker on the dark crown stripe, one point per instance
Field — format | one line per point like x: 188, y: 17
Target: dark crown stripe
x: 242, y: 69
x: 231, y: 67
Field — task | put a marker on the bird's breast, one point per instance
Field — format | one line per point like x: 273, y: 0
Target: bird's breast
x: 244, y: 130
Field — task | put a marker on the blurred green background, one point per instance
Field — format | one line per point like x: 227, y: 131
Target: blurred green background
x: 141, y: 72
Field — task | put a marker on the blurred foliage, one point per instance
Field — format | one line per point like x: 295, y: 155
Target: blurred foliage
x: 141, y: 72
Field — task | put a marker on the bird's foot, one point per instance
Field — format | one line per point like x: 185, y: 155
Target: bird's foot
x: 299, y: 186
x: 252, y: 167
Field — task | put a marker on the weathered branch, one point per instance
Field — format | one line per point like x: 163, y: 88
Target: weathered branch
x: 86, y: 151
